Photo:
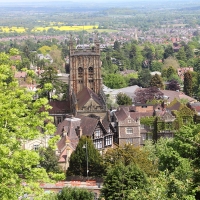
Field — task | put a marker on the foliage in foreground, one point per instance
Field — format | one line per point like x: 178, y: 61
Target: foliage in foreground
x: 20, y: 120
x: 68, y: 193
x: 78, y: 160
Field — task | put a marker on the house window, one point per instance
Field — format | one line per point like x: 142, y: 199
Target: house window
x: 36, y: 147
x: 108, y: 140
x: 129, y: 141
x: 129, y: 120
x: 141, y: 126
x: 97, y: 133
x: 129, y: 130
x: 184, y: 120
x: 98, y: 144
x: 59, y: 119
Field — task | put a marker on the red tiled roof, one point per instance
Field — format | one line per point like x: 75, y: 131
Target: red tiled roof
x: 20, y: 74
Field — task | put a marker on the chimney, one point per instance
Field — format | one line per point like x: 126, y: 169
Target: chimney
x: 79, y: 132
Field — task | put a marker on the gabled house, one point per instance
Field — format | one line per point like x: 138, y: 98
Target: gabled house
x: 72, y: 128
x: 127, y: 124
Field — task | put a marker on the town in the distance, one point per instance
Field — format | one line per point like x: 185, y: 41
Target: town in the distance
x: 100, y: 101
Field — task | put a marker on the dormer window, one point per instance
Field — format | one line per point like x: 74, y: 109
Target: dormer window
x: 97, y: 133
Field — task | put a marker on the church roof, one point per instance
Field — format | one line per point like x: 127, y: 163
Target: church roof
x: 85, y: 95
x: 59, y: 106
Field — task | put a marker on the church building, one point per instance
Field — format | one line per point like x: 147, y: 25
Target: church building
x: 85, y: 81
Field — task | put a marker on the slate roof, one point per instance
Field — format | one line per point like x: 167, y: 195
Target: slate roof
x: 175, y: 106
x: 68, y: 126
x: 176, y: 94
x: 88, y: 124
x: 84, y: 96
x: 59, y: 107
x: 124, y: 112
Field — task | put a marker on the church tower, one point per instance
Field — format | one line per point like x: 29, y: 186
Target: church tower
x: 85, y: 82
x: 85, y: 68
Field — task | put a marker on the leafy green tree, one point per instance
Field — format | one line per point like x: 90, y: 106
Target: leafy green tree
x: 175, y: 170
x: 120, y: 180
x: 156, y: 81
x: 50, y: 83
x: 14, y: 51
x: 128, y: 154
x: 156, y: 66
x: 123, y: 99
x: 143, y: 80
x: 135, y: 56
x: 187, y: 143
x: 69, y: 193
x: 21, y: 119
x: 188, y: 83
x: 117, y: 45
x: 175, y: 77
x: 170, y: 71
x: 168, y: 52
x: 149, y: 52
x: 114, y: 81
x: 49, y: 160
x: 170, y: 61
x: 181, y: 55
x: 78, y: 160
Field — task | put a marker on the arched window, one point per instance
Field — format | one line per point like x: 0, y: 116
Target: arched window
x: 80, y: 72
x: 90, y: 71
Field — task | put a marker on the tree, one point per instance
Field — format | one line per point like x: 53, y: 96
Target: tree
x: 188, y: 83
x: 69, y: 193
x: 121, y: 180
x: 130, y: 154
x: 156, y: 66
x: 168, y: 52
x: 156, y: 81
x: 181, y: 54
x: 147, y: 95
x: 143, y: 80
x: 49, y: 160
x: 170, y: 61
x: 123, y: 99
x: 114, y: 81
x: 170, y: 71
x: 21, y: 119
x: 116, y: 46
x: 78, y: 160
x: 173, y: 85
x: 50, y: 83
x: 175, y: 169
x: 187, y: 143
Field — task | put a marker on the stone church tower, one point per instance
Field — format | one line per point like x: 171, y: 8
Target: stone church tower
x: 85, y: 68
x: 85, y: 81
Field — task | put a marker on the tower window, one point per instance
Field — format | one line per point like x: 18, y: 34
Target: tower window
x: 80, y: 72
x: 90, y: 71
